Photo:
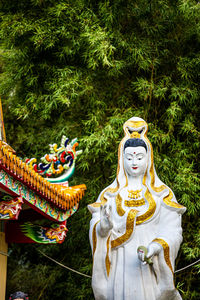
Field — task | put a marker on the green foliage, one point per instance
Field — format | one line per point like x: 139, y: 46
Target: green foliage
x: 81, y: 68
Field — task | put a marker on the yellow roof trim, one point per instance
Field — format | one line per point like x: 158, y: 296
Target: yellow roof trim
x: 64, y: 197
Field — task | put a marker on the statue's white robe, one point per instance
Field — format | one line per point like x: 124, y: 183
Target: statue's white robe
x: 129, y: 278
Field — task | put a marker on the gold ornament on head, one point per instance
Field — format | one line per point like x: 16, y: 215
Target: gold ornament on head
x: 135, y: 135
x: 135, y: 126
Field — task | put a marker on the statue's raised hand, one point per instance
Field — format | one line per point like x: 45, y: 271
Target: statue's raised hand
x: 106, y: 223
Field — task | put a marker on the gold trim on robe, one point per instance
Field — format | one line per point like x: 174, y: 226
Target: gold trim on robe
x: 151, y: 210
x: 166, y: 252
x: 94, y: 238
x: 144, y: 217
x: 118, y: 166
x: 134, y: 203
x: 107, y: 260
x: 151, y: 171
x: 130, y: 221
x: 167, y: 200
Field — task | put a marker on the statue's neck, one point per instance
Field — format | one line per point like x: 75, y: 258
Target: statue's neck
x: 135, y: 183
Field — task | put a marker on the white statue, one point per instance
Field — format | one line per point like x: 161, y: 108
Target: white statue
x: 136, y: 213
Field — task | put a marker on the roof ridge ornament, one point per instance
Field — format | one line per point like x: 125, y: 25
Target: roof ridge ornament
x: 59, y: 165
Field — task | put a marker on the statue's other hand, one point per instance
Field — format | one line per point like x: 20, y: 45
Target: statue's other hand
x: 153, y: 249
x: 142, y: 252
x: 106, y: 223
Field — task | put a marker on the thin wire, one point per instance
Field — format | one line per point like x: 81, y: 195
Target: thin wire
x: 194, y: 263
x: 91, y: 276
x: 63, y: 265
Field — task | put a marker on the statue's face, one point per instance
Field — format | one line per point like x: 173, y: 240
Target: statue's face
x: 135, y: 160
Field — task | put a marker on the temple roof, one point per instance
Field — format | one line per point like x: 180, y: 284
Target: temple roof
x: 57, y: 194
x: 31, y: 192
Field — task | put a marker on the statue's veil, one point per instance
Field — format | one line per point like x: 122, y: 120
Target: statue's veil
x: 137, y: 128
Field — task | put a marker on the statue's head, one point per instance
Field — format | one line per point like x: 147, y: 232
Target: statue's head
x: 135, y: 153
x: 135, y: 157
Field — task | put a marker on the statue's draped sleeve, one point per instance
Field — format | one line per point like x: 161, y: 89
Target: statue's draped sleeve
x: 99, y: 246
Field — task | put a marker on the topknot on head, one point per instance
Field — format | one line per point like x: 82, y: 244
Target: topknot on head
x: 135, y: 127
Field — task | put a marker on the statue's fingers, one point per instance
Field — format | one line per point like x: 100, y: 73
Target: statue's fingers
x: 101, y: 209
x: 104, y: 210
x: 110, y: 221
x: 109, y: 218
x: 139, y: 255
x: 107, y: 211
x: 143, y: 256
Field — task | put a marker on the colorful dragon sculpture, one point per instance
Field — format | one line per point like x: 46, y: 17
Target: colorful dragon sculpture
x: 43, y: 187
x: 60, y: 162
